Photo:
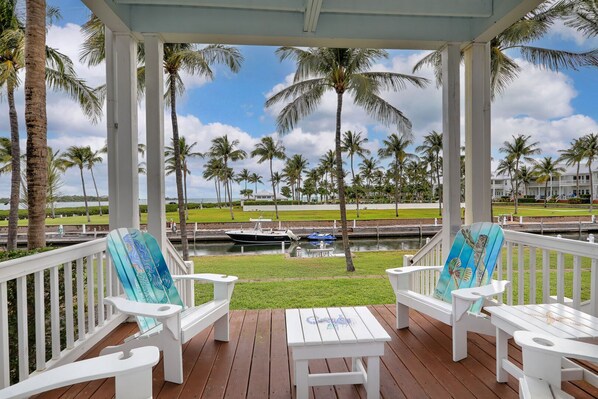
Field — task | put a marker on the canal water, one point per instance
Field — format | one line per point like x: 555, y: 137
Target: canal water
x: 357, y: 245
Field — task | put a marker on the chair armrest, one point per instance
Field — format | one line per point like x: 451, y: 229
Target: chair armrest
x: 496, y: 287
x: 140, y: 360
x: 463, y: 298
x: 213, y: 278
x: 550, y: 344
x: 411, y: 269
x: 159, y: 311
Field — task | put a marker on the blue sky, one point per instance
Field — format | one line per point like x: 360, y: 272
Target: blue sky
x: 551, y: 107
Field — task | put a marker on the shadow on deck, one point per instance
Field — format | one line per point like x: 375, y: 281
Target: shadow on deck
x: 417, y: 363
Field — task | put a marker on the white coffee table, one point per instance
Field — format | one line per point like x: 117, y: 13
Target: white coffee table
x: 554, y: 319
x: 325, y: 333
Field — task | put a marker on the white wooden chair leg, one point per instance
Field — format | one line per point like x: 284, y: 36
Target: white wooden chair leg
x: 402, y: 316
x: 221, y: 329
x: 137, y: 385
x: 301, y: 372
x: 459, y: 341
x: 502, y: 352
x: 173, y: 359
x: 373, y: 377
x: 354, y: 364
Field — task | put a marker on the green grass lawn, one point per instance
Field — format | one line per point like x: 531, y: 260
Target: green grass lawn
x: 215, y: 215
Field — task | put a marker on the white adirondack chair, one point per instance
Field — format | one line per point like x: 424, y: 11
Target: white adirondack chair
x: 542, y: 361
x: 164, y: 321
x: 133, y: 375
x: 464, y: 286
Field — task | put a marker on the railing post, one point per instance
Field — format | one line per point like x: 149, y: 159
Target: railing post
x: 190, y: 288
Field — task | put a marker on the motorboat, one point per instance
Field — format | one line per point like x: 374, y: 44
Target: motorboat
x: 321, y: 237
x: 260, y: 235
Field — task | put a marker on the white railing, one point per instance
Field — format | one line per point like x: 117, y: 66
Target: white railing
x: 553, y: 269
x: 56, y: 311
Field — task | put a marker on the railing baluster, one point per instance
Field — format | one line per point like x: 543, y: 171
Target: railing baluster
x: 510, y: 272
x: 22, y: 328
x: 499, y: 272
x: 520, y: 275
x: 109, y: 284
x: 40, y: 322
x: 100, y: 269
x: 68, y: 304
x: 545, y: 276
x: 532, y: 275
x: 91, y: 313
x: 80, y: 300
x: 594, y: 288
x: 576, y: 282
x: 560, y: 277
x: 55, y: 312
x: 4, y: 355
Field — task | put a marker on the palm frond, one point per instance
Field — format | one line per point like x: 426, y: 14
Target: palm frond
x: 384, y: 112
x: 395, y: 81
x: 559, y: 59
x: 301, y: 106
x: 93, y: 50
x: 295, y: 90
x: 88, y: 99
x: 503, y: 70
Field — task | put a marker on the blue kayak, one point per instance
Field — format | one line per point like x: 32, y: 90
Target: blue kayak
x: 321, y: 237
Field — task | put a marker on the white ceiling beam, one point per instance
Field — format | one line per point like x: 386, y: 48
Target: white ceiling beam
x: 111, y: 15
x: 514, y: 12
x: 312, y: 14
x: 443, y: 8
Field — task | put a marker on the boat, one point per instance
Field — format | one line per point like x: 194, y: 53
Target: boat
x: 321, y: 237
x: 260, y: 235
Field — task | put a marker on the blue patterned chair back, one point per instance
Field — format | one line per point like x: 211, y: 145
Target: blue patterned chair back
x: 142, y: 270
x: 471, y: 260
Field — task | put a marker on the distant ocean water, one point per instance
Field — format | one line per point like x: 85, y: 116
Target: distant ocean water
x: 142, y: 201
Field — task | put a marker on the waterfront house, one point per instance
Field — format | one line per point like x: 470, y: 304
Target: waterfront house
x: 255, y: 364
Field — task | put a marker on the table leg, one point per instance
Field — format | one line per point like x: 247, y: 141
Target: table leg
x: 301, y: 371
x: 373, y: 377
x: 502, y: 352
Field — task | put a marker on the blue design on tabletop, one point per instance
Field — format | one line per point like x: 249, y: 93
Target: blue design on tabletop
x: 340, y: 321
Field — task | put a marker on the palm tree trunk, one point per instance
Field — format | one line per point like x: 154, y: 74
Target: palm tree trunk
x: 396, y: 187
x: 97, y: 193
x: 545, y: 193
x: 591, y: 185
x: 516, y: 186
x: 341, y: 184
x: 178, y: 170
x: 185, y: 189
x: 228, y: 188
x: 84, y: 194
x: 15, y: 182
x: 438, y: 184
x: 36, y: 121
x: 273, y: 189
x: 217, y: 188
x: 577, y: 179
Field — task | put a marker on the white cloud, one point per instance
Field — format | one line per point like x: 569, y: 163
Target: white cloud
x: 559, y: 29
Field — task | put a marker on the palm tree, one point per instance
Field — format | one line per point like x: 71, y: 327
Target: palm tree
x: 55, y: 169
x: 545, y: 171
x: 339, y: 70
x: 518, y: 36
x: 60, y: 75
x: 276, y: 180
x: 294, y: 169
x: 519, y: 148
x: 590, y: 154
x: 184, y: 57
x: 255, y: 178
x: 573, y: 156
x: 353, y: 144
x: 433, y: 145
x: 268, y: 150
x: 367, y: 168
x: 395, y: 146
x: 76, y: 157
x: 525, y: 176
x: 185, y: 152
x: 507, y: 167
x: 584, y: 17
x: 243, y: 177
x: 226, y: 150
x: 91, y: 160
x: 212, y: 171
x: 5, y: 155
x: 327, y: 164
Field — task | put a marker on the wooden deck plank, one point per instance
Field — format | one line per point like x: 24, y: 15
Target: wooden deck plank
x: 241, y: 367
x: 280, y: 373
x: 259, y: 379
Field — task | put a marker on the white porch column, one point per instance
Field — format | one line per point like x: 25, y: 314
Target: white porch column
x: 154, y: 109
x: 451, y: 188
x: 478, y: 201
x: 111, y: 130
x: 126, y: 131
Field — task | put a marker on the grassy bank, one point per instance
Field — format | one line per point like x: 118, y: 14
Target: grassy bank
x: 215, y: 215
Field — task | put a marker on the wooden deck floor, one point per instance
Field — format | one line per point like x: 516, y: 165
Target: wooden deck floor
x: 255, y: 364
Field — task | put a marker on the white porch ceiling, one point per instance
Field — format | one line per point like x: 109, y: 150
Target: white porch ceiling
x: 422, y: 24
